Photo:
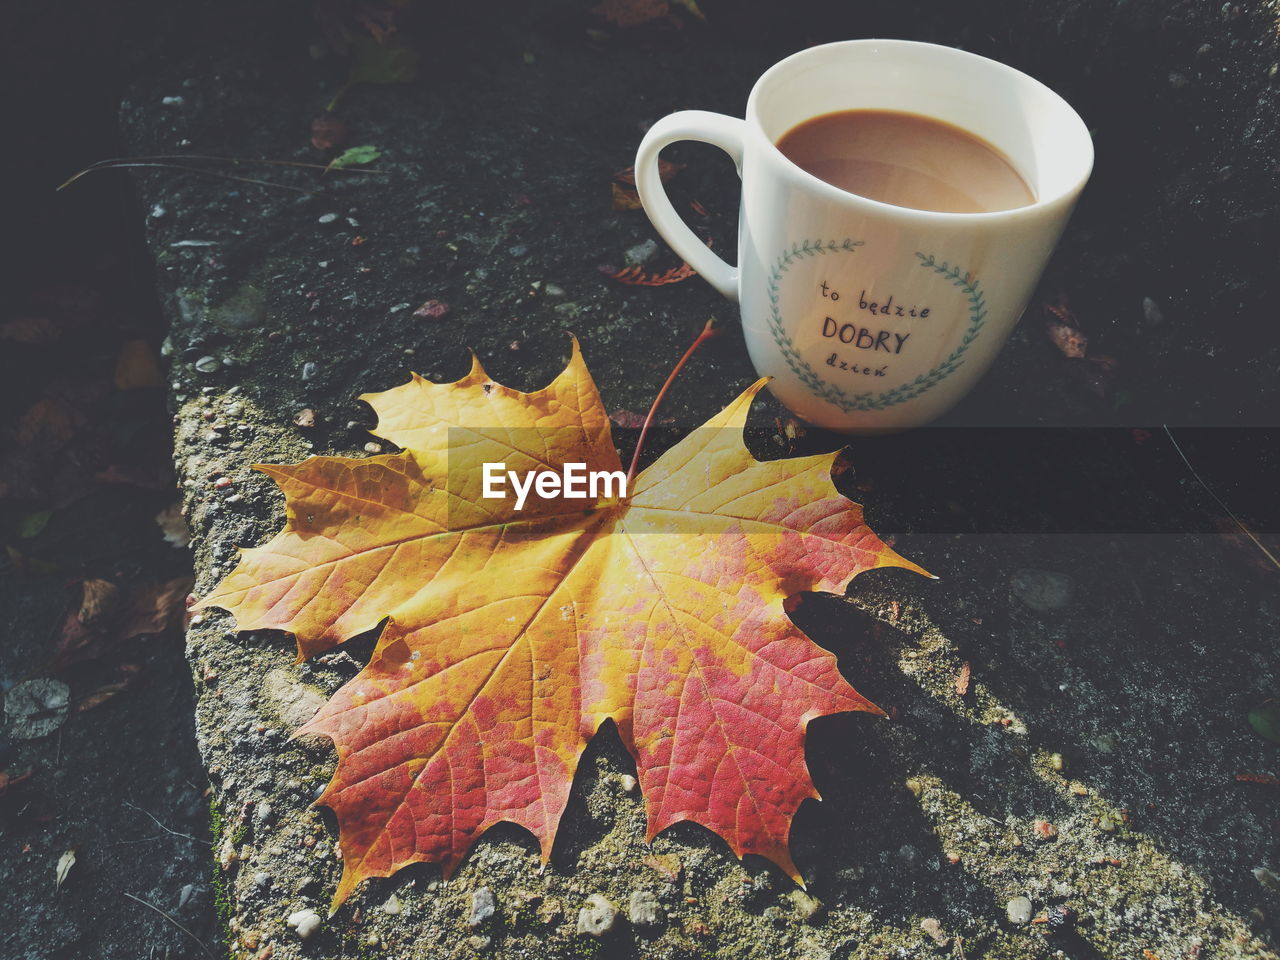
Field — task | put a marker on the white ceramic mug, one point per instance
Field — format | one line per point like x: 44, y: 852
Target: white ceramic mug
x: 870, y: 316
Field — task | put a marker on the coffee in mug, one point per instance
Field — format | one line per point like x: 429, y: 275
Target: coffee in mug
x: 907, y: 160
x: 899, y: 203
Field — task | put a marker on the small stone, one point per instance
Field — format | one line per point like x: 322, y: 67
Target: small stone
x: 372, y: 447
x: 305, y: 418
x: 1060, y: 918
x: 184, y: 895
x: 628, y: 783
x: 262, y: 812
x: 933, y: 929
x: 1106, y: 824
x: 915, y: 785
x: 392, y: 906
x: 519, y: 250
x: 227, y: 855
x: 597, y: 918
x: 643, y: 910
x: 327, y: 218
x: 1056, y: 763
x: 306, y: 886
x: 172, y: 101
x: 1177, y: 80
x: 806, y: 907
x: 399, y: 307
x: 1105, y: 743
x: 1018, y: 910
x: 553, y: 290
x: 260, y: 880
x: 1151, y: 312
x: 309, y: 370
x: 479, y: 942
x: 483, y: 906
x: 207, y: 364
x: 304, y: 923
x: 157, y: 212
x: 641, y: 253
x: 1042, y: 590
x: 1044, y: 829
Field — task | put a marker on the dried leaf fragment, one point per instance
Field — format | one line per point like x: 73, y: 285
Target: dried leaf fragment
x: 65, y: 863
x: 637, y: 277
x: 36, y: 708
x: 962, y: 679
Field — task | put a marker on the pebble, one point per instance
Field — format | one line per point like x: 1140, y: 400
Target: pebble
x: 519, y: 250
x: 309, y: 370
x: 483, y: 906
x: 392, y: 906
x: 641, y: 253
x: 553, y: 290
x: 262, y: 812
x: 207, y: 364
x: 261, y: 879
x: 1018, y: 910
x: 304, y: 923
x: 933, y: 929
x: 172, y: 101
x: 327, y: 218
x: 1061, y: 918
x: 228, y: 855
x: 643, y: 909
x: 628, y: 783
x: 372, y: 447
x: 157, y: 212
x: 306, y: 886
x: 185, y: 895
x: 806, y: 907
x: 597, y: 918
x: 1042, y: 590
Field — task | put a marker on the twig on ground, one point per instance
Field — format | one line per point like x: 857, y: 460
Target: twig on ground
x: 151, y: 906
x: 1218, y: 500
x: 185, y: 836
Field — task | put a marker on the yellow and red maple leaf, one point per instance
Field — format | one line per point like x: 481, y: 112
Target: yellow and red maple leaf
x: 510, y: 636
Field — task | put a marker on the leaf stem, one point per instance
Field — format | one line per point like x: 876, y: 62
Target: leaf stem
x: 708, y: 331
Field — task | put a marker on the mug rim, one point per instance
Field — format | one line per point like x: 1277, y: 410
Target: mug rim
x: 1059, y: 197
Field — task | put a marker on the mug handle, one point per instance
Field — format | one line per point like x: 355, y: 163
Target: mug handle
x: 719, y: 131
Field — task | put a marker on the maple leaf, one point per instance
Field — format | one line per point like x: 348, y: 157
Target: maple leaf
x: 511, y: 637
